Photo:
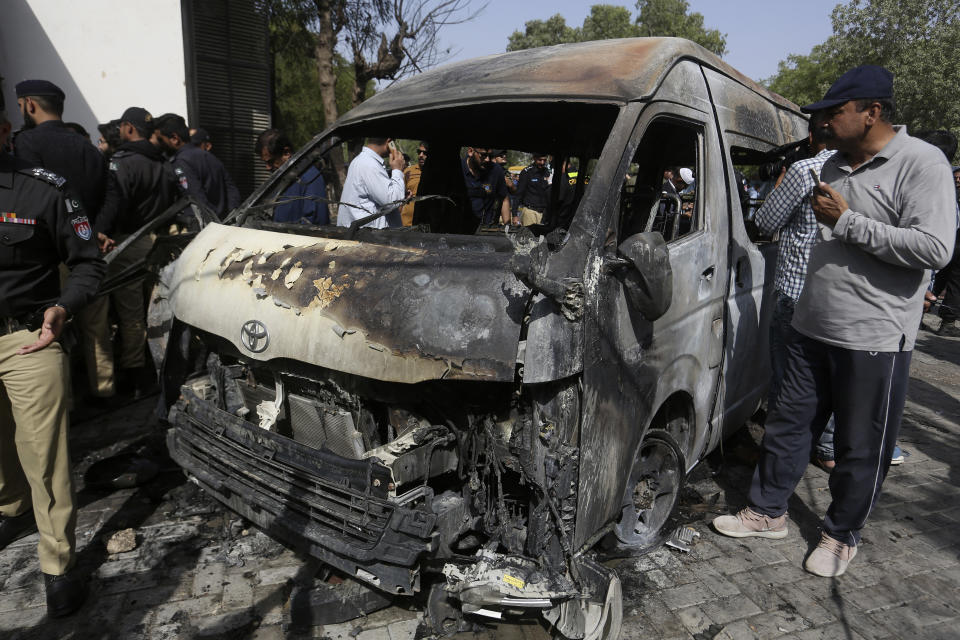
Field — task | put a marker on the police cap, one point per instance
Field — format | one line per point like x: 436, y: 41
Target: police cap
x: 138, y: 117
x: 38, y: 88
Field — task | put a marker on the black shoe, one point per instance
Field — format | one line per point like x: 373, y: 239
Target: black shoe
x: 65, y: 594
x: 16, y: 527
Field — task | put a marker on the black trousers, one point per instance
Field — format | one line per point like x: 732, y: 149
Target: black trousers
x: 865, y: 391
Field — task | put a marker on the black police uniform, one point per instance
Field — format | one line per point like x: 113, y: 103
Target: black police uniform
x: 485, y: 191
x: 140, y: 187
x: 53, y: 146
x: 202, y: 175
x: 41, y: 226
x: 533, y: 188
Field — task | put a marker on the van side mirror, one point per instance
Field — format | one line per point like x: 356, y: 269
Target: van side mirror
x: 648, y: 280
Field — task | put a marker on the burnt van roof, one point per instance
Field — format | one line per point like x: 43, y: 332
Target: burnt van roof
x: 619, y: 70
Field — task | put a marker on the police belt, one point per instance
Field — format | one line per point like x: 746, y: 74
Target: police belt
x: 12, y: 325
x: 537, y: 209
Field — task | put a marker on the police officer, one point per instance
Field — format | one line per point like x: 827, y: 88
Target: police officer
x: 48, y: 142
x: 140, y: 187
x: 198, y: 172
x: 40, y: 227
x: 533, y: 190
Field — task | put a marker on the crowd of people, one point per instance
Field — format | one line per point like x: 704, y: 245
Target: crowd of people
x: 862, y: 223
x: 850, y: 283
x: 68, y: 207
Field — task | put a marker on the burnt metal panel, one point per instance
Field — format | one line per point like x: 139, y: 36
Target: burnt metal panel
x: 605, y: 70
x: 741, y: 110
x: 631, y: 364
x: 392, y: 313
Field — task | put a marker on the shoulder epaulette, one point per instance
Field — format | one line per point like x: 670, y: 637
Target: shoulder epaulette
x: 47, y: 176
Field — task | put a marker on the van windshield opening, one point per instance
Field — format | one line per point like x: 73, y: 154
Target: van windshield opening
x: 466, y: 170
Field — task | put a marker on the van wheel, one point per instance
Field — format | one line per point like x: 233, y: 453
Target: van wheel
x: 651, y: 495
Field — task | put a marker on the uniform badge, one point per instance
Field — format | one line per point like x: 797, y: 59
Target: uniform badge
x: 11, y: 217
x: 114, y: 166
x: 81, y: 226
x: 181, y: 178
x: 49, y: 176
x: 72, y: 205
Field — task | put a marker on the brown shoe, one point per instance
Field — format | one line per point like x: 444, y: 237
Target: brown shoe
x: 830, y: 558
x: 748, y: 523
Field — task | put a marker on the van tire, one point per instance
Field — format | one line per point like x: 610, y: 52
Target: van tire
x: 650, y: 497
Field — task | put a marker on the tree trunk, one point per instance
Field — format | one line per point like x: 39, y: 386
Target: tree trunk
x: 326, y: 75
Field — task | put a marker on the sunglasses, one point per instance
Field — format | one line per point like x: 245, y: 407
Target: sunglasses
x: 485, y: 154
x: 421, y: 152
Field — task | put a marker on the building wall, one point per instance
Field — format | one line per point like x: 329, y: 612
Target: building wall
x: 106, y: 55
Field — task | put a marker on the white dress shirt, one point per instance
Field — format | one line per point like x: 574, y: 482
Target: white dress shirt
x: 369, y: 186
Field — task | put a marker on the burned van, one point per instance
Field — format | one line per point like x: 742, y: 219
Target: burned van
x: 475, y: 411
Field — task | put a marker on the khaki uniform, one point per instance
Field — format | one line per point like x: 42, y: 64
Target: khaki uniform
x: 128, y: 302
x: 34, y: 460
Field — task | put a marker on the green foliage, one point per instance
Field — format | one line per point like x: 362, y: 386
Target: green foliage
x: 297, y: 106
x: 671, y: 18
x: 542, y: 33
x: 607, y: 21
x: 915, y: 39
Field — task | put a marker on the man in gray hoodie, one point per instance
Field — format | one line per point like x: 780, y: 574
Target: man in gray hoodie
x: 886, y: 210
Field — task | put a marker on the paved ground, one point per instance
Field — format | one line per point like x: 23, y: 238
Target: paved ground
x: 198, y: 573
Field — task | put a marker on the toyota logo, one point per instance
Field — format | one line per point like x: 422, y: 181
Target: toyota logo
x: 254, y: 336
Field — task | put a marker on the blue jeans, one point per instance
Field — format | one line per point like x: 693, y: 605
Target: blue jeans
x: 782, y: 333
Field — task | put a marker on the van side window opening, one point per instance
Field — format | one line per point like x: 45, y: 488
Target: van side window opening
x: 660, y: 190
x: 756, y: 177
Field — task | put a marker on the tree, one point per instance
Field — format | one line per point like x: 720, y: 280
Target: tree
x: 542, y: 33
x: 376, y: 39
x: 298, y: 99
x: 915, y: 39
x: 671, y: 18
x: 606, y: 21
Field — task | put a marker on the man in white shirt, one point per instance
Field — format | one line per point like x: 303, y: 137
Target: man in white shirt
x: 368, y: 185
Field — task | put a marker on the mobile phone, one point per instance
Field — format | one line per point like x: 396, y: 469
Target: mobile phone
x: 393, y: 147
x: 813, y: 174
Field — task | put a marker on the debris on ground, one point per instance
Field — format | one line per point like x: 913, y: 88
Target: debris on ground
x: 122, y: 541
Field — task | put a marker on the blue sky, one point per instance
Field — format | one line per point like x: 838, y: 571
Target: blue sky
x: 760, y: 33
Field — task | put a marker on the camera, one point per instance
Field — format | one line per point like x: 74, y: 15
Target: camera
x: 781, y: 158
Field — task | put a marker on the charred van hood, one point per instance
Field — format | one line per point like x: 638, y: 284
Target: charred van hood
x: 391, y: 313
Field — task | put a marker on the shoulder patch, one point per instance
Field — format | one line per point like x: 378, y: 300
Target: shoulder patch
x: 72, y: 204
x: 47, y: 176
x: 81, y: 226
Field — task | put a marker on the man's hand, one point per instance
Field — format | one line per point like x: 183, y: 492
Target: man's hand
x: 928, y: 300
x: 828, y: 205
x: 106, y: 244
x: 53, y: 320
x: 396, y: 159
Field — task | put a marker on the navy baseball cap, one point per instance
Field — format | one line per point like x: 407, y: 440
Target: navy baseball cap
x: 138, y: 117
x: 38, y: 88
x: 867, y: 81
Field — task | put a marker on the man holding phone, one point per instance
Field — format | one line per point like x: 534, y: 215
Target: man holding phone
x: 368, y: 186
x: 887, y: 215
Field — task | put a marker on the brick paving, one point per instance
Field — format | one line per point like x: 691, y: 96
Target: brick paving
x: 197, y: 572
